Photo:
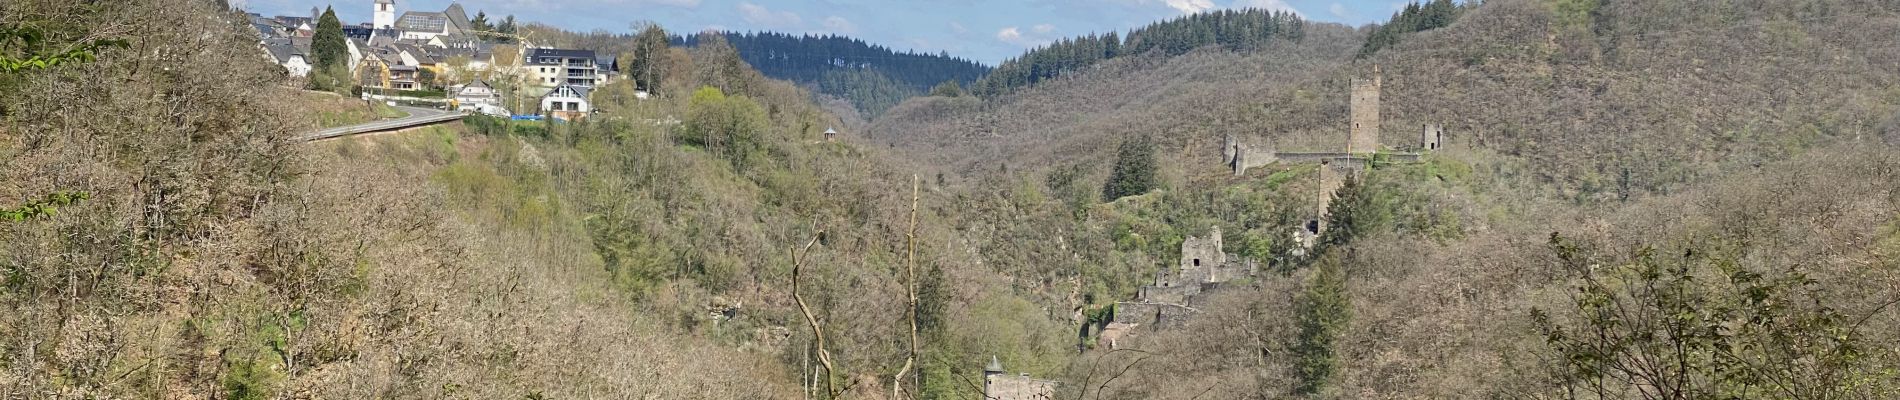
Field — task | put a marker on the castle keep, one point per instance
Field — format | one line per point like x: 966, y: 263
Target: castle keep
x: 1365, y: 115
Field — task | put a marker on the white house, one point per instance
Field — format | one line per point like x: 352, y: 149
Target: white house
x: 288, y: 55
x: 556, y: 67
x: 567, y: 102
x: 477, y: 92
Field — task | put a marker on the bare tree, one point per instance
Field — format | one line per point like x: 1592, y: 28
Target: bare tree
x: 910, y: 279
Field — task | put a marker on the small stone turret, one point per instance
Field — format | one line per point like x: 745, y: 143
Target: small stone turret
x: 1430, y: 139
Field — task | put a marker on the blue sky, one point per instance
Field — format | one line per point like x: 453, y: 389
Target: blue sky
x: 984, y: 30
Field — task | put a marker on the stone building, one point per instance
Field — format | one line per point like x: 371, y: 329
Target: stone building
x: 1242, y: 156
x: 999, y: 385
x: 1432, y: 136
x: 1204, y: 265
x: 1365, y: 114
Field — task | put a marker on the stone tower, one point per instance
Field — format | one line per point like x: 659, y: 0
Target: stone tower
x: 1365, y: 114
x: 385, y: 15
x: 1198, y: 253
x: 1431, y: 138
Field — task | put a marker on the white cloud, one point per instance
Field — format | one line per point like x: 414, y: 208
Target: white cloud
x: 1191, y: 6
x: 759, y: 15
x: 837, y: 24
x: 1038, y: 35
x: 1339, y: 10
x: 1275, y: 5
x: 1010, y: 34
x: 958, y: 28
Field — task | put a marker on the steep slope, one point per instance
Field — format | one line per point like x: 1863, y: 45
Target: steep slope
x: 872, y: 77
x: 1740, y: 135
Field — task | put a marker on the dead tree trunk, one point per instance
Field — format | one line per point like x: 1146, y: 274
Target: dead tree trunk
x: 910, y: 266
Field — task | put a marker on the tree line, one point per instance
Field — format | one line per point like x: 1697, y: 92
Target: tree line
x: 1231, y: 29
x: 1416, y: 17
x: 872, y: 77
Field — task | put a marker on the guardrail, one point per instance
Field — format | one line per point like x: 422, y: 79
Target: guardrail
x: 382, y: 126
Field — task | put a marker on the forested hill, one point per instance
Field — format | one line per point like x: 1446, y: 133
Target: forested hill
x: 872, y: 77
x: 1233, y: 29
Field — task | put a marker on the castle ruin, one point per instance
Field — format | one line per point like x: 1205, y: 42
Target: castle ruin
x: 1243, y: 156
x: 1204, y: 266
x: 1365, y: 115
x: 998, y: 385
x: 1431, y: 138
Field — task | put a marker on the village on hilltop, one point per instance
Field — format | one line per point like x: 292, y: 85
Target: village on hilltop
x: 446, y: 60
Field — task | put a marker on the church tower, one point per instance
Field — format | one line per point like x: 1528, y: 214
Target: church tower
x: 385, y: 14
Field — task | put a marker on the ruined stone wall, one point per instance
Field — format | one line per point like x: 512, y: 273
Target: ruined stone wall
x: 1432, y: 136
x: 1202, y: 252
x: 1241, y: 155
x: 1365, y: 116
x: 1169, y: 292
x: 1235, y: 268
x: 1017, y: 387
x: 1151, y: 314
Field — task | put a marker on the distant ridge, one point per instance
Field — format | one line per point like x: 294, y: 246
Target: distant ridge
x: 872, y: 77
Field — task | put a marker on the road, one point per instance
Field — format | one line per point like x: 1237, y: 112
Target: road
x: 418, y: 116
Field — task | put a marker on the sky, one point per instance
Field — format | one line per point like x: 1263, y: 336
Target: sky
x: 987, y: 31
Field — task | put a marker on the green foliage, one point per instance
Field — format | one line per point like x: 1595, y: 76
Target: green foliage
x: 1324, y: 308
x: 507, y: 29
x: 1704, y: 327
x: 1357, y: 209
x: 328, y: 45
x: 1135, y: 170
x: 427, y: 78
x: 730, y: 127
x: 1416, y: 17
x: 43, y: 207
x: 1575, y: 13
x: 814, y: 60
x: 334, y: 79
x: 947, y: 89
x: 647, y: 67
x: 870, y: 91
x: 25, y: 48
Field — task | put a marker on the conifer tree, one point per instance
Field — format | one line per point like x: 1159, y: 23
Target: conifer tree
x: 328, y: 45
x: 1323, y: 310
x: 1134, y: 171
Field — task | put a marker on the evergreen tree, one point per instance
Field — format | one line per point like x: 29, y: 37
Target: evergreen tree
x: 1356, y: 209
x: 1134, y: 171
x: 329, y: 46
x: 1415, y: 17
x: 480, y: 23
x: 1323, y: 309
x: 507, y: 29
x: 1231, y: 29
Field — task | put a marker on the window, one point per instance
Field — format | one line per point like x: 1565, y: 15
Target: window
x: 1197, y: 262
